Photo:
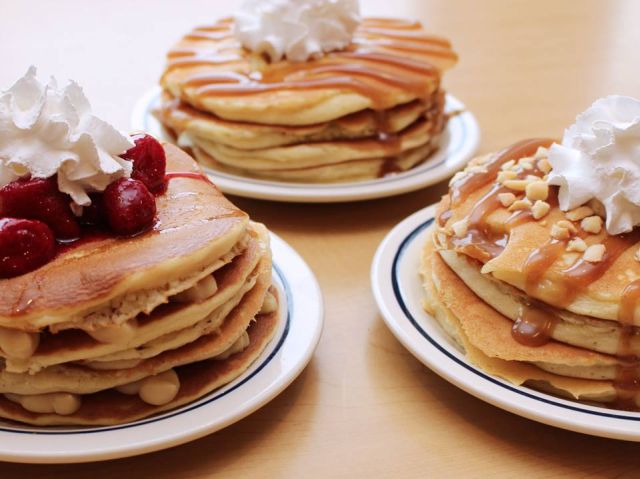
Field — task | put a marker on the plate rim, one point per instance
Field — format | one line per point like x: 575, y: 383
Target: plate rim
x: 141, y: 119
x: 287, y: 262
x: 557, y: 412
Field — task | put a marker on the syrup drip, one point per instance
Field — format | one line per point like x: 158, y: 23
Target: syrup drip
x: 186, y: 174
x: 534, y: 325
x: 627, y: 381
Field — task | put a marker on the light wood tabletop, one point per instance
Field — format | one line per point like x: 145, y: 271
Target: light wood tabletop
x: 364, y: 407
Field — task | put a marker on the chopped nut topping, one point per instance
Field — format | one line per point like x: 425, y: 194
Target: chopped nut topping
x: 568, y: 225
x: 597, y: 207
x: 592, y: 224
x: 526, y: 164
x: 541, y: 152
x: 506, y: 175
x: 594, y: 253
x: 523, y: 204
x: 508, y: 165
x: 478, y: 160
x: 537, y: 190
x: 559, y: 233
x: 476, y: 169
x: 516, y: 185
x: 544, y: 165
x: 460, y: 227
x: 577, y: 244
x: 579, y: 213
x: 506, y: 199
x: 540, y: 209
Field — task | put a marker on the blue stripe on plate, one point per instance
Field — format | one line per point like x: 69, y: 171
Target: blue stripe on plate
x: 401, y: 302
x: 189, y: 407
x: 457, y: 120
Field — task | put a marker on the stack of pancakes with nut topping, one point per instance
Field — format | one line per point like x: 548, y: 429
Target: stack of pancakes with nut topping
x: 375, y: 108
x: 115, y: 329
x: 533, y: 294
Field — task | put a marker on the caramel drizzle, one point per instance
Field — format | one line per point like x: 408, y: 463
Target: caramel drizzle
x: 369, y: 66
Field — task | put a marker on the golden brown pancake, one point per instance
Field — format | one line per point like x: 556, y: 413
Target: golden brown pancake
x: 390, y: 62
x: 372, y: 109
x: 528, y: 283
x: 196, y: 380
x: 158, y: 319
x: 195, y: 223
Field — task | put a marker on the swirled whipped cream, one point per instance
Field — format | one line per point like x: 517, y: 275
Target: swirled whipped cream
x: 296, y: 29
x: 46, y: 130
x: 599, y: 158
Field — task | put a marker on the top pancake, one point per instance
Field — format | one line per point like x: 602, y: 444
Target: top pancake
x: 195, y: 224
x: 514, y: 240
x: 389, y: 62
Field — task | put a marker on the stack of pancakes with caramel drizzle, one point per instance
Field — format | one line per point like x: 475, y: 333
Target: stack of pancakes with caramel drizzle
x: 533, y: 294
x: 376, y: 107
x: 115, y: 329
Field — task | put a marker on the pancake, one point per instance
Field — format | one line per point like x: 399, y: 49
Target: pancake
x: 74, y: 344
x: 195, y: 223
x: 491, y: 347
x: 181, y: 118
x: 390, y: 62
x: 534, y: 286
x: 158, y: 319
x: 79, y: 379
x: 351, y: 170
x: 197, y: 379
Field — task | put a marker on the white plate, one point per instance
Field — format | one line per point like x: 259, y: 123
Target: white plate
x: 284, y: 358
x: 398, y: 292
x: 459, y: 142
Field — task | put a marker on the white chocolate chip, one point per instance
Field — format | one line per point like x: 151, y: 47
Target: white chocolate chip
x: 537, y: 190
x: 579, y: 213
x: 577, y: 244
x: 592, y: 224
x: 526, y: 164
x: 517, y: 185
x: 160, y: 389
x: 460, y: 227
x: 523, y: 204
x: 594, y: 253
x: 540, y: 209
x: 506, y: 199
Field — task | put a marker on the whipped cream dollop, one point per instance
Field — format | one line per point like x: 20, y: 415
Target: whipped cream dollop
x: 296, y: 29
x: 599, y: 158
x: 47, y: 130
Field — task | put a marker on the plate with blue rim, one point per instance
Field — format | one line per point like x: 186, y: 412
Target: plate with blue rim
x: 458, y: 144
x: 397, y: 288
x: 298, y: 333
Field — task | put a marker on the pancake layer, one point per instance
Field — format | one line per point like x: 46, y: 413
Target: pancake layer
x: 360, y: 111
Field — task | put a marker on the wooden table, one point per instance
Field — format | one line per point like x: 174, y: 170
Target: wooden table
x: 364, y: 407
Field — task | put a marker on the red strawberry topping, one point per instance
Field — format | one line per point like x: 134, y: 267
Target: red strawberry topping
x: 40, y: 199
x: 149, y: 162
x: 24, y: 246
x: 129, y: 206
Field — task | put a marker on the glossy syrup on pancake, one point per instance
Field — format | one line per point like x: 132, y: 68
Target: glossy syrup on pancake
x: 536, y: 321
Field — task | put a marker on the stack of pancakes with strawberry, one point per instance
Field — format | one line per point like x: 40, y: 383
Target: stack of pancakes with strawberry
x: 373, y: 107
x: 148, y: 296
x: 535, y: 293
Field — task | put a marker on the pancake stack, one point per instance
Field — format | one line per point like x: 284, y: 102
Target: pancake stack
x: 533, y: 294
x: 375, y: 108
x: 115, y: 329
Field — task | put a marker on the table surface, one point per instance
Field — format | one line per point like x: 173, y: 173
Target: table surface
x: 364, y: 405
